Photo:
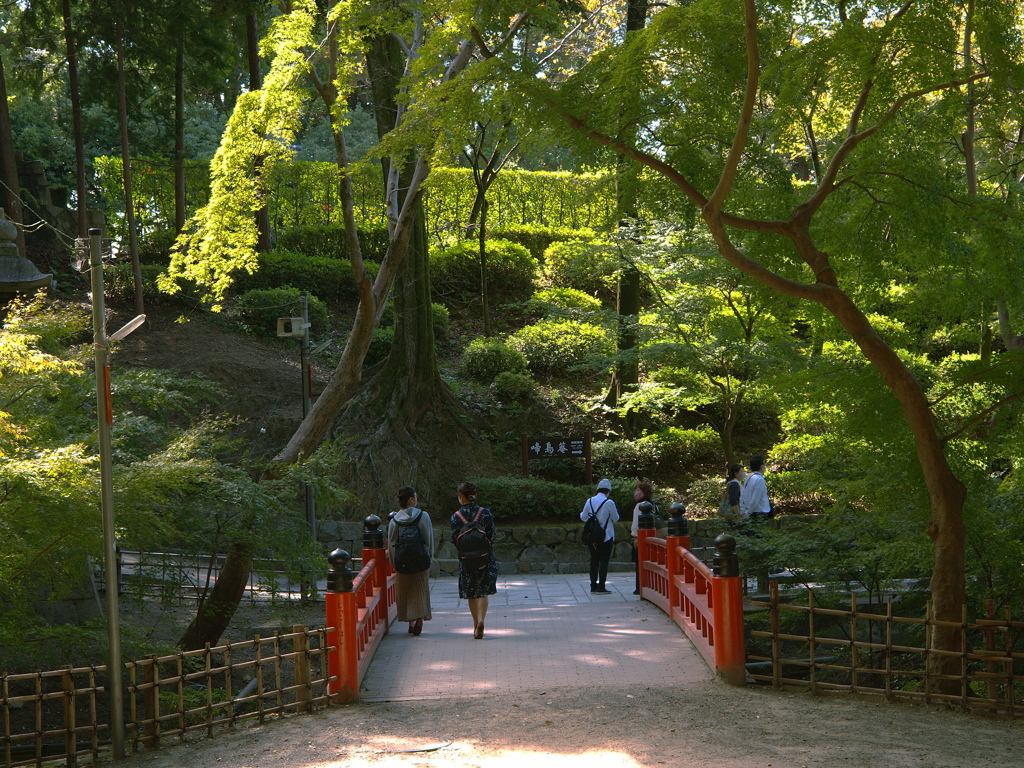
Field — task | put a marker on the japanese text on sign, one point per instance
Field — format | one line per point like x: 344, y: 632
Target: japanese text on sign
x: 555, y: 447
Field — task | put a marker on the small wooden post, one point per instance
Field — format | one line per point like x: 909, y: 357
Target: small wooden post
x: 151, y: 705
x: 586, y: 456
x: 812, y: 672
x: 300, y: 647
x: 773, y: 601
x: 343, y: 658
x: 990, y: 645
x: 68, y: 682
x: 727, y: 612
x: 853, y: 643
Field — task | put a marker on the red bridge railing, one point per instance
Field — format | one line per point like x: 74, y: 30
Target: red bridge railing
x: 360, y: 608
x: 707, y: 603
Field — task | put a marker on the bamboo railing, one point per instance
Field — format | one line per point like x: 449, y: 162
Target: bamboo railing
x: 64, y: 713
x: 868, y: 652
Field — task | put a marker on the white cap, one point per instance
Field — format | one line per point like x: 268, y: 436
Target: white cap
x: 604, y: 485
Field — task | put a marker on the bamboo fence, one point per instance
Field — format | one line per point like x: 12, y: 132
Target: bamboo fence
x: 863, y: 651
x: 62, y: 714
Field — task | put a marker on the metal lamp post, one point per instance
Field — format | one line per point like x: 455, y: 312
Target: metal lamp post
x: 104, y: 420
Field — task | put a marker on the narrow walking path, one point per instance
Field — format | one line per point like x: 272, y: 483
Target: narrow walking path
x: 575, y: 681
x: 541, y: 632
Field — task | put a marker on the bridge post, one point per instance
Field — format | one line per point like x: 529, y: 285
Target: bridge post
x: 343, y: 661
x: 678, y: 536
x: 727, y: 609
x: 374, y: 548
x: 645, y: 529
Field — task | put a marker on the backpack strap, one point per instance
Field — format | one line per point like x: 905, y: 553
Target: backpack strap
x: 593, y: 512
x: 458, y: 514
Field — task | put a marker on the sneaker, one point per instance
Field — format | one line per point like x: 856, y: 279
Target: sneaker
x: 601, y: 591
x: 636, y: 591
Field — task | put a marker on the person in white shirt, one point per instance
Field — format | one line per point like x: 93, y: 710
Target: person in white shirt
x: 601, y: 506
x: 754, y: 502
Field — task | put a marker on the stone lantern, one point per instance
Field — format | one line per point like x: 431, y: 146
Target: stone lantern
x: 17, y: 274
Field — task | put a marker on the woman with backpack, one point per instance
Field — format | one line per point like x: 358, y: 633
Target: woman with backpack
x: 473, y: 535
x: 411, y: 539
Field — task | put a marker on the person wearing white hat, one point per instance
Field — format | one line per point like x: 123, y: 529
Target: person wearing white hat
x: 603, y: 508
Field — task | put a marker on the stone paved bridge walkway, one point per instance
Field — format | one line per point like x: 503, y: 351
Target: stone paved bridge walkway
x: 581, y: 682
x: 541, y: 632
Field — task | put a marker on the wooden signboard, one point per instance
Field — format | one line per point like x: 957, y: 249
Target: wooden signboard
x: 556, y: 447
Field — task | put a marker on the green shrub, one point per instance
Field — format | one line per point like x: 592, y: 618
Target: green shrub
x: 119, y: 282
x: 257, y: 310
x: 328, y: 240
x: 513, y: 498
x: 510, y: 498
x: 441, y: 320
x: 586, y: 265
x: 513, y: 387
x: 510, y: 270
x: 661, y: 454
x: 380, y: 346
x: 484, y: 359
x: 558, y: 347
x: 567, y: 298
x: 155, y: 246
x: 329, y: 279
x: 537, y: 238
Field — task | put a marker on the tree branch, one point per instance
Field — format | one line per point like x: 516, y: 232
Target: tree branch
x: 739, y: 140
x: 979, y: 416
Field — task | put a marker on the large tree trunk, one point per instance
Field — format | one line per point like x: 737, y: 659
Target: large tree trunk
x: 11, y: 188
x: 81, y: 192
x: 626, y: 374
x: 126, y: 165
x: 404, y: 426
x: 214, y: 613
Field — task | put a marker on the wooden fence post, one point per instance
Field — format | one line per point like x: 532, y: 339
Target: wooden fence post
x: 151, y: 705
x: 773, y: 601
x: 343, y: 660
x: 70, y: 746
x: 300, y: 647
x: 727, y: 611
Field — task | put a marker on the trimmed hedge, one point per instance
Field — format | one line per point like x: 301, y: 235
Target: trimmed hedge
x: 510, y: 270
x: 537, y: 238
x: 561, y: 347
x: 257, y: 310
x: 586, y: 265
x: 514, y: 498
x: 328, y: 240
x: 661, y: 454
x: 329, y: 279
x: 513, y: 387
x: 484, y: 359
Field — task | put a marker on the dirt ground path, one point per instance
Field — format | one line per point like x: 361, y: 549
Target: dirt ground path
x: 705, y: 724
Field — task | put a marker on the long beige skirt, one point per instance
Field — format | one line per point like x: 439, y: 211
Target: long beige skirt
x: 413, y: 595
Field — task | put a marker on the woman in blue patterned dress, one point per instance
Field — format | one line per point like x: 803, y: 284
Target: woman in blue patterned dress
x: 475, y: 585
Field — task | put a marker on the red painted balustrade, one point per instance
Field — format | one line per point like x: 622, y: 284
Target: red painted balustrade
x: 360, y: 608
x: 708, y: 606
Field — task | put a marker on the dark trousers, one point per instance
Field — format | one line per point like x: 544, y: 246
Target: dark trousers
x: 599, y: 558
